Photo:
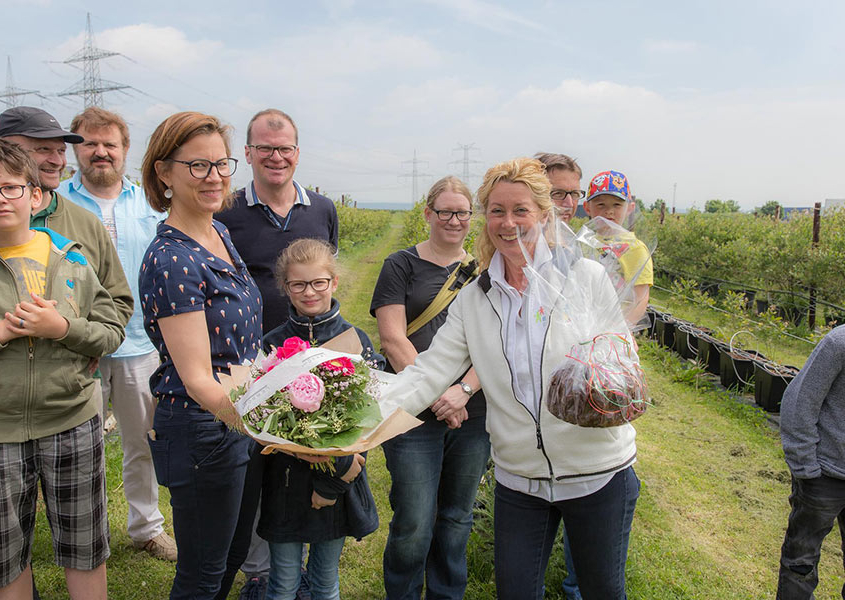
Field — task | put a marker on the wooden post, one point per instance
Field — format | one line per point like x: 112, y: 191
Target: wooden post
x: 662, y: 212
x: 817, y: 217
x: 777, y: 213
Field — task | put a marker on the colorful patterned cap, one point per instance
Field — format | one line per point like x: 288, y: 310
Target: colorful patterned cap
x: 613, y: 183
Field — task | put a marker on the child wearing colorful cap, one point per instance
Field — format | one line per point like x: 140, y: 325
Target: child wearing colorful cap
x: 609, y: 196
x: 54, y: 318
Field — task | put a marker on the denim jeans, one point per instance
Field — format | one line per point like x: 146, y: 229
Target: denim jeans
x: 598, y: 526
x: 816, y: 504
x: 570, y: 583
x: 285, y: 564
x: 435, y: 473
x: 203, y: 464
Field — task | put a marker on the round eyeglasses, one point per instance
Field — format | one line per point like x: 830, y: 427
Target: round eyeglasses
x: 446, y: 215
x: 201, y: 169
x: 318, y: 285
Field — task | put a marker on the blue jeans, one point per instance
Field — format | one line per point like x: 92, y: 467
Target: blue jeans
x: 598, y: 526
x: 816, y: 504
x: 435, y: 473
x: 285, y: 564
x: 570, y: 583
x: 203, y: 464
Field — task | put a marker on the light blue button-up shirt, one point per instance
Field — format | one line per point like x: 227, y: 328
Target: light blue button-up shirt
x: 136, y: 223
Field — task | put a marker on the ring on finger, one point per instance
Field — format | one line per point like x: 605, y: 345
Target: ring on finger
x: 21, y: 324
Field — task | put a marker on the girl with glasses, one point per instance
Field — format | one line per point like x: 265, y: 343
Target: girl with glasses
x: 300, y: 504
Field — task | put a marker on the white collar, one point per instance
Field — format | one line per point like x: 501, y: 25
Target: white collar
x: 301, y: 195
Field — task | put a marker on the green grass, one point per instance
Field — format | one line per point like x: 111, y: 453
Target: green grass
x: 708, y: 525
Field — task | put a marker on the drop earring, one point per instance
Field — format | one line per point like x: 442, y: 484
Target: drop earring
x: 168, y: 193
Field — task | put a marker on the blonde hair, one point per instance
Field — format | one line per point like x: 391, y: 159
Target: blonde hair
x: 529, y: 171
x: 305, y: 251
x: 450, y: 183
x: 168, y: 137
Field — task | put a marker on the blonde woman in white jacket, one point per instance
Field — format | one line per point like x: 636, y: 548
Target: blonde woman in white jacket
x: 546, y: 469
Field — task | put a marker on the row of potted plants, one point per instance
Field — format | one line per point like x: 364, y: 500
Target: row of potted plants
x: 735, y: 367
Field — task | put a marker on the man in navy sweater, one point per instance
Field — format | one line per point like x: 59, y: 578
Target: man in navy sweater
x: 265, y: 217
x: 274, y: 210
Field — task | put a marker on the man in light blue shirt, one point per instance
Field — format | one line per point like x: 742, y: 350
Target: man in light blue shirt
x: 101, y: 187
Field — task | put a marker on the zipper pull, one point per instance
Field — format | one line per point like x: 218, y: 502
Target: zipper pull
x: 287, y: 476
x: 31, y: 350
x: 311, y: 331
x: 539, y: 438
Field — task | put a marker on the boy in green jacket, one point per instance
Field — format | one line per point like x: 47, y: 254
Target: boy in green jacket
x: 55, y: 318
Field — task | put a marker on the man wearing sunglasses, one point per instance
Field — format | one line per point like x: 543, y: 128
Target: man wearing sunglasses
x: 266, y: 216
x: 565, y: 176
x: 273, y: 210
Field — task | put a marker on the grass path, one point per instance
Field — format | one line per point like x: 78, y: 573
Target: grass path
x: 708, y: 525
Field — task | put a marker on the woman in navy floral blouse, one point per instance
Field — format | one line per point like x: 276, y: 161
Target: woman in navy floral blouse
x: 202, y: 311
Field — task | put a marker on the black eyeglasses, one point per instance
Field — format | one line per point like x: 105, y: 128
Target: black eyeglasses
x: 13, y: 192
x: 318, y: 285
x: 265, y: 151
x: 201, y: 169
x: 562, y: 194
x: 446, y: 215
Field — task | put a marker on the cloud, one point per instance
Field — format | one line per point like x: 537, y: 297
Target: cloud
x: 670, y: 46
x: 151, y: 45
x: 487, y: 15
x: 442, y: 99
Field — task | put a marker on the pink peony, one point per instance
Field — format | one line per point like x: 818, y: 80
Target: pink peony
x: 291, y: 346
x: 341, y: 365
x: 306, y: 392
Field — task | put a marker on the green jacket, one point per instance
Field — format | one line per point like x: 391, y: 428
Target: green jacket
x: 45, y: 387
x: 77, y: 223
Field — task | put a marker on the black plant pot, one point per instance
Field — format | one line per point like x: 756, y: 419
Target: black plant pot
x: 708, y: 352
x: 791, y: 314
x: 737, y: 368
x: 749, y: 296
x: 709, y: 288
x: 761, y: 305
x: 833, y: 318
x: 652, y: 316
x: 665, y: 331
x: 685, y: 342
x: 770, y: 383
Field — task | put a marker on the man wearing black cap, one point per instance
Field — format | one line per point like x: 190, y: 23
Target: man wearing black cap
x: 37, y: 132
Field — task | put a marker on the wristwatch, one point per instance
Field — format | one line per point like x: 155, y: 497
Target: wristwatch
x: 466, y: 388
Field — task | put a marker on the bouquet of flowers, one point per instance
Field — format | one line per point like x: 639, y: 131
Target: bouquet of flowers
x: 301, y: 399
x: 576, y: 294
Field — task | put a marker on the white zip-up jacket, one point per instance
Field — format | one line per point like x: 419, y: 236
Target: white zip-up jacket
x: 543, y: 448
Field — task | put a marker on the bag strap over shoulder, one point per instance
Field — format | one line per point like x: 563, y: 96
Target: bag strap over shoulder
x: 460, y: 276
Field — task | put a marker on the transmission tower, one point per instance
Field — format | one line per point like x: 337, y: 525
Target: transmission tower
x: 466, y: 161
x: 91, y: 87
x: 12, y: 95
x: 414, y: 175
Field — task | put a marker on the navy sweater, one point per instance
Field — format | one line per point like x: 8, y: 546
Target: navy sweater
x: 260, y: 236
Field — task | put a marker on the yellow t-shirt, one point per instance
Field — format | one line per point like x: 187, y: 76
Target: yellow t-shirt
x: 29, y: 263
x: 633, y: 257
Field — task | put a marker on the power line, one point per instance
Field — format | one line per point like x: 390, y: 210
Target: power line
x: 91, y: 87
x: 414, y: 175
x: 12, y: 95
x: 466, y: 161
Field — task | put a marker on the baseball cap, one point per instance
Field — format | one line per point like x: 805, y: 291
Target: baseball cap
x: 34, y: 122
x: 612, y: 183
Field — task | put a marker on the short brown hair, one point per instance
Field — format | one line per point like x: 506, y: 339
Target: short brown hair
x: 17, y: 161
x: 168, y: 137
x: 273, y: 123
x: 305, y: 250
x: 450, y: 183
x: 558, y: 161
x: 95, y: 117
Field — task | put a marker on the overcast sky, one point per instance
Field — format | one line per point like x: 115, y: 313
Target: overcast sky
x: 727, y: 99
